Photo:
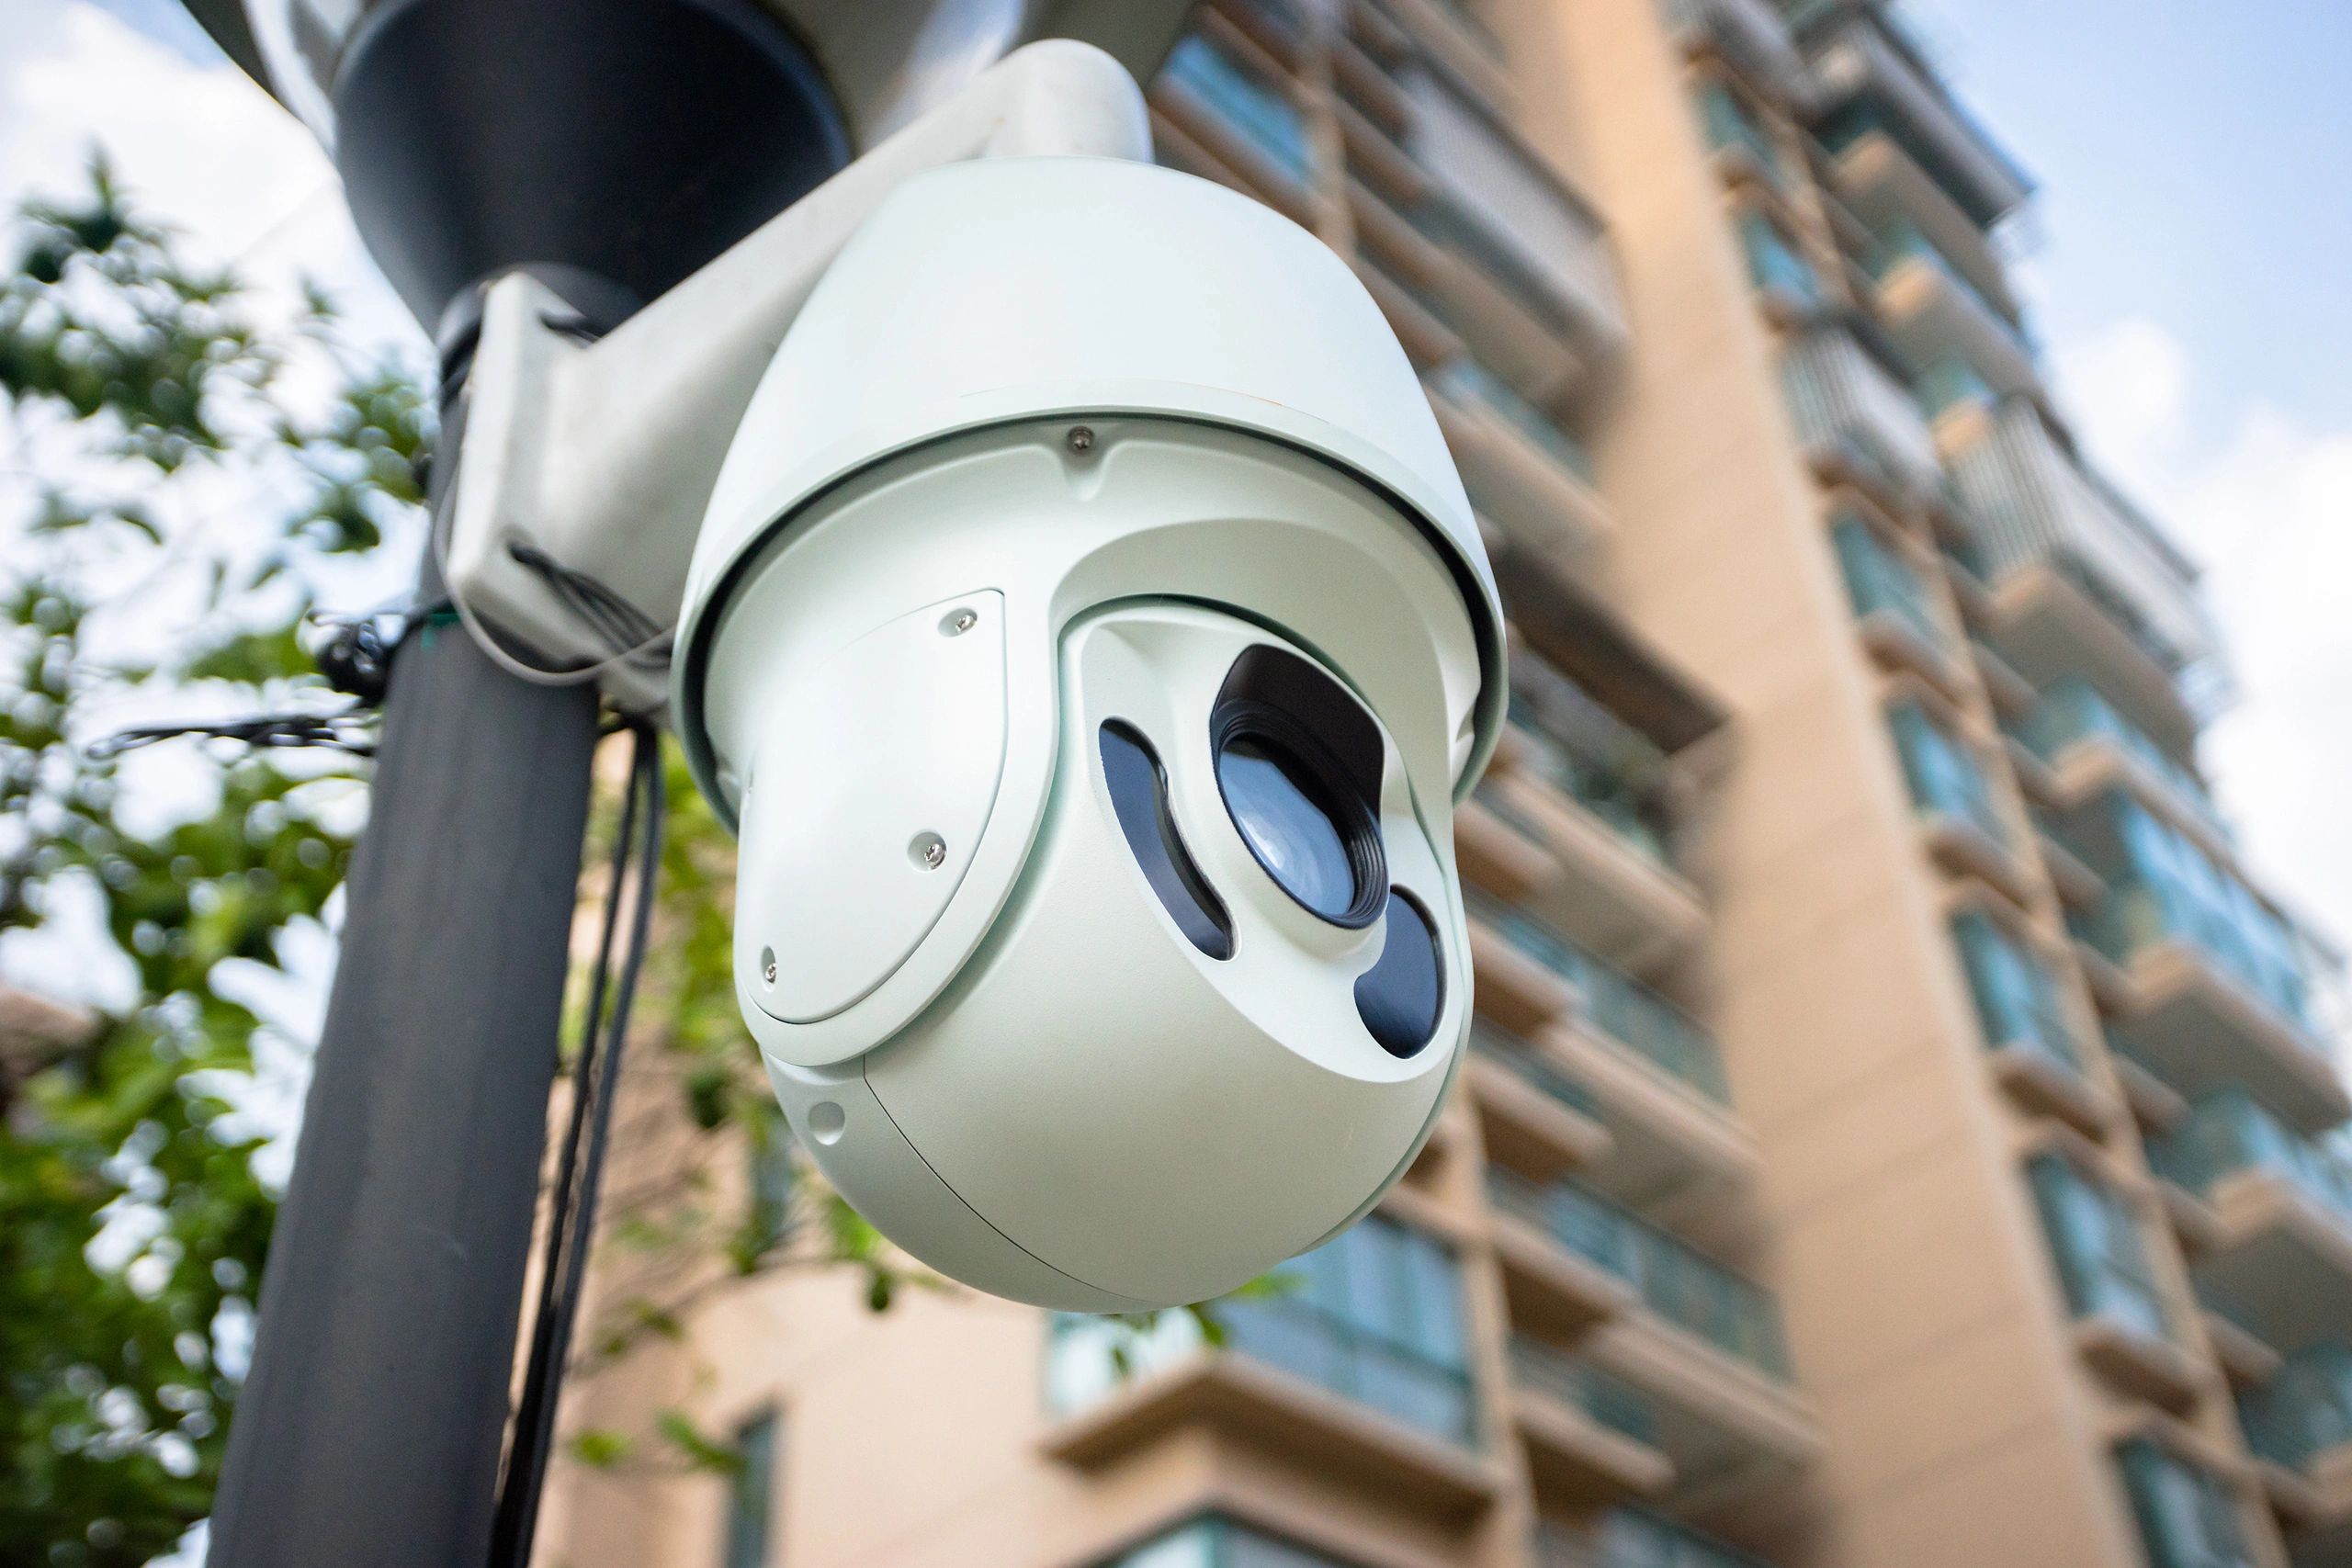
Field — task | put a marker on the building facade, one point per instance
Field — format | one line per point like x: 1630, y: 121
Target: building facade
x: 1897, y: 1131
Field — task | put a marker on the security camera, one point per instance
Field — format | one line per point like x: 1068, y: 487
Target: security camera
x: 1088, y: 637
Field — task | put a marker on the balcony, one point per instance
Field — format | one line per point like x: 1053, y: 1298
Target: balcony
x: 1522, y: 468
x: 2097, y: 1235
x: 1936, y: 314
x: 1869, y: 78
x: 2216, y: 988
x: 1654, y: 1076
x: 1237, y: 115
x: 1781, y: 276
x: 2279, y: 1258
x: 1536, y: 1117
x: 1857, y: 420
x: 2081, y: 580
x: 1358, y: 1368
x: 2090, y: 748
x: 1899, y: 624
x: 2300, y: 1421
x: 1946, y: 777
x: 2024, y: 1024
x: 1737, y: 137
x: 1600, y: 797
x: 1565, y: 1255
x: 1750, y: 36
x: 1531, y: 284
x: 1702, y: 1344
x: 1592, y: 1440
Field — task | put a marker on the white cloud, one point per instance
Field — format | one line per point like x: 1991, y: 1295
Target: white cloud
x: 2264, y: 502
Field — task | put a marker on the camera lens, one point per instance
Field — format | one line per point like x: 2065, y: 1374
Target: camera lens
x: 1315, y: 842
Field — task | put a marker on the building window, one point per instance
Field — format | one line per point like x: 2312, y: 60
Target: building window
x: 1732, y: 127
x: 2096, y: 1240
x: 751, y: 1501
x: 1219, y: 1542
x: 1880, y: 582
x: 2016, y: 996
x: 1942, y: 772
x: 2188, y: 1516
x: 1374, y: 1315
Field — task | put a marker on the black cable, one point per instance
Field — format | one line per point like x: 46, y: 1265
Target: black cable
x: 571, y: 1219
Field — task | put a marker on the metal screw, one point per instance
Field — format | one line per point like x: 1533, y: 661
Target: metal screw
x: 960, y: 622
x: 1082, y: 438
x: 928, y: 850
x: 767, y: 964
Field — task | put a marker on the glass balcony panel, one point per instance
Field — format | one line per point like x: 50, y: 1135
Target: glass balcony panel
x: 1949, y: 384
x: 1900, y: 244
x: 1372, y: 1315
x: 1849, y: 404
x: 2304, y: 1410
x: 1631, y: 1537
x: 2072, y: 710
x: 1523, y: 1061
x: 1615, y: 1004
x: 1538, y: 239
x: 2096, y: 1242
x: 1877, y: 579
x: 1217, y: 1542
x: 1752, y: 34
x: 1593, y: 1230
x: 2231, y: 1132
x: 1255, y: 109
x: 1943, y: 774
x: 1774, y: 265
x: 2034, y: 503
x: 1875, y: 80
x: 2188, y: 1516
x: 1609, y: 1401
x: 1593, y: 757
x: 1467, y: 380
x: 2163, y: 887
x: 2015, y: 995
x: 1732, y: 127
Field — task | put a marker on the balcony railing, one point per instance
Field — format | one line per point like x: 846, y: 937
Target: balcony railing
x: 1774, y: 266
x: 2304, y: 1410
x: 1945, y: 775
x: 1526, y: 1063
x: 1875, y: 80
x: 1731, y: 128
x: 1750, y: 34
x: 2072, y: 711
x: 1878, y: 581
x: 1631, y: 1537
x: 1596, y: 759
x: 1466, y: 381
x: 1675, y: 1281
x: 1949, y: 384
x: 1901, y: 243
x: 2163, y: 887
x: 1254, y: 109
x: 1848, y: 404
x: 1610, y: 1400
x: 1512, y: 215
x: 2230, y: 1132
x: 2033, y: 503
x: 1618, y: 1005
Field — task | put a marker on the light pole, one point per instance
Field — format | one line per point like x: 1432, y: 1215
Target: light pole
x: 608, y: 148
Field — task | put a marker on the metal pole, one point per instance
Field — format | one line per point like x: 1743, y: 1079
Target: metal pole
x: 369, y: 1430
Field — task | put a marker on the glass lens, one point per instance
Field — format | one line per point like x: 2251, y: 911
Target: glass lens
x: 1281, y: 810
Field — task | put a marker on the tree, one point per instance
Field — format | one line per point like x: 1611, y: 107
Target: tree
x: 132, y: 1224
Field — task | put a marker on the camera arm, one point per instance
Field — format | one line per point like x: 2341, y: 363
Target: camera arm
x: 599, y: 458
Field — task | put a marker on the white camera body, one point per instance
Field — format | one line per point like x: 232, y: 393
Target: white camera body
x: 1090, y: 637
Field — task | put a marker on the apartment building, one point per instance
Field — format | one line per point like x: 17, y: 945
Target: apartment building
x: 1898, y: 1130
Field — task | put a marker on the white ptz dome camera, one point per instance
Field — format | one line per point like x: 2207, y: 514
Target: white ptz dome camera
x: 1090, y: 637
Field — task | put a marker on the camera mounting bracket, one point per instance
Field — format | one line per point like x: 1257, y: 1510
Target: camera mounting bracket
x: 595, y: 460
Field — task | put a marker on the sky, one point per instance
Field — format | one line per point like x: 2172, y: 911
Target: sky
x: 2185, y: 261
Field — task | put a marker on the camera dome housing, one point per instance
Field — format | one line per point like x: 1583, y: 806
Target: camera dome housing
x: 1089, y: 638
